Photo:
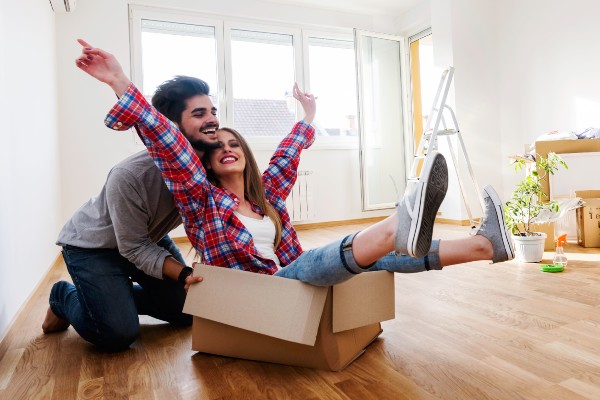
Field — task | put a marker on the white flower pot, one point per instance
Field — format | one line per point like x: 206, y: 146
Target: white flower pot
x: 529, y: 248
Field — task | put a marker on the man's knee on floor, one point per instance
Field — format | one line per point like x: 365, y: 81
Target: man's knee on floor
x: 118, y: 339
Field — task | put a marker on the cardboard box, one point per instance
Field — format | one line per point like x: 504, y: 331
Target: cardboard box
x: 548, y: 229
x: 588, y: 219
x: 268, y: 318
x: 564, y: 146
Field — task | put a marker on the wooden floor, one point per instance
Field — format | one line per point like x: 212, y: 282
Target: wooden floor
x: 473, y: 331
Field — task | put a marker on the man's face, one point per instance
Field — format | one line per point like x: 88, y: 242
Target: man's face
x: 199, y: 123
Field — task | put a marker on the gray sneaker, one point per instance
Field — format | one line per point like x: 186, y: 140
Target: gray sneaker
x: 417, y: 210
x: 493, y: 227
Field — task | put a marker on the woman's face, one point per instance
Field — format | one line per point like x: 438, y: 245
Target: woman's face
x: 229, y: 159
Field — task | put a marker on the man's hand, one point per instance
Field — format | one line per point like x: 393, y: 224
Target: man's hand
x: 102, y: 66
x: 191, y: 279
x: 308, y: 103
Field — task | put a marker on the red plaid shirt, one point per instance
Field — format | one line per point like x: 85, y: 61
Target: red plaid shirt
x: 208, y: 210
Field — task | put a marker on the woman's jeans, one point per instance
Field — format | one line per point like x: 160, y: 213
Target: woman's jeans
x: 334, y: 263
x: 103, y: 304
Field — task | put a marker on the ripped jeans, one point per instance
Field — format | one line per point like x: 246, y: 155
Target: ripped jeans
x: 334, y: 263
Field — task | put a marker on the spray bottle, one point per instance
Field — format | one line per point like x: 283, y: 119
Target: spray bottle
x: 559, y: 255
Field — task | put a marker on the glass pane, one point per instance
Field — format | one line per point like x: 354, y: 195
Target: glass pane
x: 382, y: 141
x: 333, y: 80
x: 262, y: 81
x: 170, y: 49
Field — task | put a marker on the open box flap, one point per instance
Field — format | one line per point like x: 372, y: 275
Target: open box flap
x: 353, y: 306
x: 279, y: 307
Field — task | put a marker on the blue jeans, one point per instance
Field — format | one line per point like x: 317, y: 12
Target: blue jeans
x: 103, y: 304
x: 334, y: 263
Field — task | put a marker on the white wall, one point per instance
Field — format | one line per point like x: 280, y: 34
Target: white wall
x: 29, y: 173
x: 523, y: 68
x: 414, y: 20
x: 464, y: 36
x: 548, y: 78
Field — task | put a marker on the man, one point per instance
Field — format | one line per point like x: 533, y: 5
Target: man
x: 120, y: 237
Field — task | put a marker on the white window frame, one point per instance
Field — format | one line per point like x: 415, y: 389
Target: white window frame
x: 223, y: 26
x: 259, y: 142
x: 137, y: 13
x: 324, y: 141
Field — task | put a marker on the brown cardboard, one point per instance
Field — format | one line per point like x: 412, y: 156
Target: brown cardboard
x: 359, y: 302
x: 542, y: 148
x: 588, y: 219
x: 235, y: 297
x: 588, y: 194
x: 548, y: 229
x: 268, y: 318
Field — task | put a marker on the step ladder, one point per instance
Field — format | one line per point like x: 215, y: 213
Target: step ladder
x: 436, y: 126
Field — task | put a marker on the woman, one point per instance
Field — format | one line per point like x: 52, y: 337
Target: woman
x: 229, y: 208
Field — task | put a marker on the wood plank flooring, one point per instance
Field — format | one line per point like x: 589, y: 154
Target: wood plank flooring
x: 473, y: 331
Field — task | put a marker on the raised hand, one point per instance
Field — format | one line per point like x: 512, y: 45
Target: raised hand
x: 308, y: 103
x: 102, y: 66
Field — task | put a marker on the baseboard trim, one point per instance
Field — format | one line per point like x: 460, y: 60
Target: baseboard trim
x: 327, y: 224
x: 28, y: 303
x: 459, y: 222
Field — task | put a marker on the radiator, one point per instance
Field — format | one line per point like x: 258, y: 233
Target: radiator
x: 300, y: 202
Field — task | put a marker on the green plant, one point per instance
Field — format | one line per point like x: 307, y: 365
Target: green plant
x: 525, y: 203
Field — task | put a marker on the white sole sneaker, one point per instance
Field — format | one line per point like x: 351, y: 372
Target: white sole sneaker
x: 417, y: 212
x: 499, y: 210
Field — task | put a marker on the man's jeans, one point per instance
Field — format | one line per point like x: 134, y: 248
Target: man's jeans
x: 103, y: 304
x: 334, y: 263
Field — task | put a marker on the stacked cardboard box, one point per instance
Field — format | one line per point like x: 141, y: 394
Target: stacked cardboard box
x: 588, y: 219
x: 268, y: 318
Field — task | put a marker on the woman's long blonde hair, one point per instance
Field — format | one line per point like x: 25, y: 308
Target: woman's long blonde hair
x: 253, y: 186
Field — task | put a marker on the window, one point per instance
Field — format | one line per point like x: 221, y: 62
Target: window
x: 170, y: 49
x: 382, y: 139
x: 333, y: 79
x: 251, y: 68
x: 262, y: 66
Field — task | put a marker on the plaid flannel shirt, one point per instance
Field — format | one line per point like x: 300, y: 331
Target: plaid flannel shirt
x: 208, y: 210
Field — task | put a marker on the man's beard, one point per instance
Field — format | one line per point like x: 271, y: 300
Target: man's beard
x: 201, y: 144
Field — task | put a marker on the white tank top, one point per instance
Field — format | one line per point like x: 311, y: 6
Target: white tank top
x: 263, y: 234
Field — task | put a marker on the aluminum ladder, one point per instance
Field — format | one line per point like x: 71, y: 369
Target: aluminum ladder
x: 440, y: 128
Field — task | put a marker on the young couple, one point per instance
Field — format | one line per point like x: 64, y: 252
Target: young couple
x: 236, y: 218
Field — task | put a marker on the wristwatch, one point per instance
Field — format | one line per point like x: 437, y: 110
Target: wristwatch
x: 185, y: 272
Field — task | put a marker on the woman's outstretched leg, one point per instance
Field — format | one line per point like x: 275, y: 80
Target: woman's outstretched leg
x: 490, y: 242
x: 442, y: 253
x: 407, y: 231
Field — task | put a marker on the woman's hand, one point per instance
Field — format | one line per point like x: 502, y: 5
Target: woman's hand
x: 102, y: 66
x: 308, y: 102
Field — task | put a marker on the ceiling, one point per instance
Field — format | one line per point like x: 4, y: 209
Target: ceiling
x: 368, y: 7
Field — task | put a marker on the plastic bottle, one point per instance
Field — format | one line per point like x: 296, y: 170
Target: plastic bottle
x: 559, y: 255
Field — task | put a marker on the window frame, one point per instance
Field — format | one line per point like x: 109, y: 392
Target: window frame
x: 328, y: 142
x: 223, y: 26
x: 137, y: 13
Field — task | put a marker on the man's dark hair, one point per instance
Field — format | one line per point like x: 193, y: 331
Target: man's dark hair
x: 171, y: 96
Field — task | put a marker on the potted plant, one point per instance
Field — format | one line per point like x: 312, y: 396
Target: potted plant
x: 527, y: 203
